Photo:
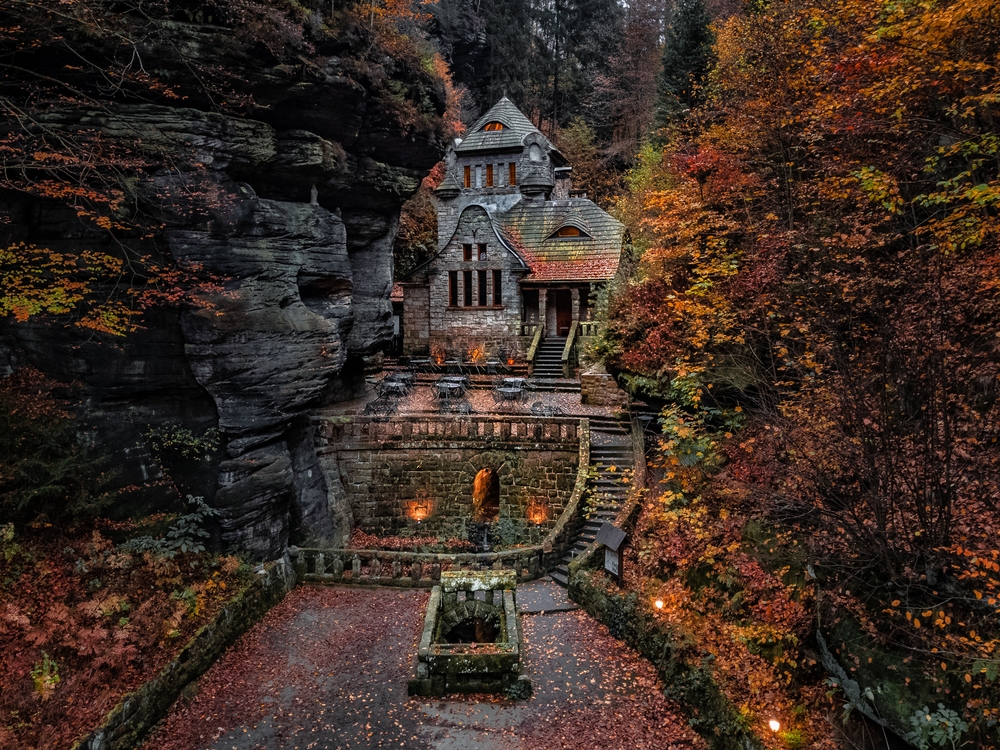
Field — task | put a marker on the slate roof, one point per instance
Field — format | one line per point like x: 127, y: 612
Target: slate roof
x: 516, y: 127
x: 530, y: 226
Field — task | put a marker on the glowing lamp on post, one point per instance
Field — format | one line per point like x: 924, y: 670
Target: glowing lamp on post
x: 658, y: 604
x: 774, y: 724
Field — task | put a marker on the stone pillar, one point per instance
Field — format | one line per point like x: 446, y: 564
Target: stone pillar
x: 543, y: 309
x: 575, y: 294
x: 356, y: 567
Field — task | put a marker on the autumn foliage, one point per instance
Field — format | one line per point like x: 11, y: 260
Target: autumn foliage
x: 817, y: 304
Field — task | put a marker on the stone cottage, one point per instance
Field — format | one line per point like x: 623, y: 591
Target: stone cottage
x: 517, y: 247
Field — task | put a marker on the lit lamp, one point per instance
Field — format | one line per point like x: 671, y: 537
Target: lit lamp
x: 658, y: 604
x: 538, y: 511
x: 774, y: 724
x: 419, y: 510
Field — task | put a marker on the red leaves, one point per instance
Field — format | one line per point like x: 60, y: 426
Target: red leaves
x: 362, y: 540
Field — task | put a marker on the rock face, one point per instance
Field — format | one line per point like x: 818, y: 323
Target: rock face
x: 293, y: 212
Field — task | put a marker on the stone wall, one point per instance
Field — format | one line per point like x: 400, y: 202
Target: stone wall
x: 458, y: 329
x: 385, y: 468
x: 138, y: 712
x: 598, y: 388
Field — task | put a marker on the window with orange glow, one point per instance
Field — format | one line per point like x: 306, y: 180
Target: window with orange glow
x: 512, y: 177
x: 468, y: 176
x: 569, y: 232
x: 493, y: 126
x: 489, y: 175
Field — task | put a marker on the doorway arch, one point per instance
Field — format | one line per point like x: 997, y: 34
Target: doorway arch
x: 486, y: 496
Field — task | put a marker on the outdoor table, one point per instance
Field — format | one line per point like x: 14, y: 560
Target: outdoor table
x: 453, y: 365
x: 463, y: 379
x: 403, y: 377
x: 448, y: 388
x: 509, y: 393
x: 515, y: 382
x: 423, y: 365
x: 394, y: 388
x: 493, y: 366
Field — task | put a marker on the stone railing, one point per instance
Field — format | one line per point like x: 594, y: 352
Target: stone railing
x: 528, y: 330
x: 588, y: 328
x: 423, y: 569
x: 567, y: 355
x: 536, y: 341
x: 355, y: 432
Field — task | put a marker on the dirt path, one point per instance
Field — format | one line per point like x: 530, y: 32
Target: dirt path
x: 328, y: 669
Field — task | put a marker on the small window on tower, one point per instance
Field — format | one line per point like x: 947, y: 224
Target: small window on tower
x: 467, y: 252
x: 491, y: 126
x: 453, y: 288
x: 468, y: 176
x: 482, y: 251
x: 482, y: 288
x: 489, y: 175
x: 498, y: 288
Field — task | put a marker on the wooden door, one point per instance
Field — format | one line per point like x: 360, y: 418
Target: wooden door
x: 564, y: 312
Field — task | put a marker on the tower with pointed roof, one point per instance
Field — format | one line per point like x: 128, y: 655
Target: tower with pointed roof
x: 518, y: 249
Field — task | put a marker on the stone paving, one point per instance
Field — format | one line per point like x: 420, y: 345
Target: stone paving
x: 421, y: 399
x: 327, y: 669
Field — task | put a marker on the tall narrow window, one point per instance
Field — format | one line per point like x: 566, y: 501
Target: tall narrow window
x: 489, y: 175
x: 498, y: 288
x: 468, y: 176
x: 482, y: 289
x: 467, y: 291
x: 482, y: 251
x: 467, y: 252
x: 512, y: 174
x: 453, y: 288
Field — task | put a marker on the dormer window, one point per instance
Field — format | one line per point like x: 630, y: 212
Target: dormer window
x: 569, y: 232
x: 491, y: 126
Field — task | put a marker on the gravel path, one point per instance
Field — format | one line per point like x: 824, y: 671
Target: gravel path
x: 327, y: 668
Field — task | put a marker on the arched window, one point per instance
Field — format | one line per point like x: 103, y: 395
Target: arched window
x: 493, y: 126
x: 569, y: 232
x: 535, y: 152
x: 486, y: 496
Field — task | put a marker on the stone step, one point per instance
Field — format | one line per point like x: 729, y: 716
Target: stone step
x: 561, y: 576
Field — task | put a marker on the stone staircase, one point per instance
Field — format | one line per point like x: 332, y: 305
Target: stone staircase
x: 548, y: 358
x: 610, y: 448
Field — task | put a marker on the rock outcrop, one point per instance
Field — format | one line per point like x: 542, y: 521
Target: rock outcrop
x: 292, y: 210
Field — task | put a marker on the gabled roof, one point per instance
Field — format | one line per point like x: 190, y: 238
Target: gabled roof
x: 516, y: 127
x: 531, y: 226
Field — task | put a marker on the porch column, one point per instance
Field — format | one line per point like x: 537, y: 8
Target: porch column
x: 543, y: 310
x: 575, y: 294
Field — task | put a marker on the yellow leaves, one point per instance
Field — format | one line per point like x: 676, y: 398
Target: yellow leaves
x: 37, y: 281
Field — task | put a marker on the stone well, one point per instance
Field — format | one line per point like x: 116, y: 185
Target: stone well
x: 471, y: 642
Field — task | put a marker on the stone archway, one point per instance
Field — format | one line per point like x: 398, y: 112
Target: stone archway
x: 486, y: 496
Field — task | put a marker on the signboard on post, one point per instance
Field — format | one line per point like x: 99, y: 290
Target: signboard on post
x: 613, y: 540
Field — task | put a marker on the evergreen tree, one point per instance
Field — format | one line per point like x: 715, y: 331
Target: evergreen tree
x: 687, y: 56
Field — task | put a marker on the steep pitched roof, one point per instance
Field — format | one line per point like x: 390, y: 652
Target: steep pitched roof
x: 532, y: 226
x: 516, y: 127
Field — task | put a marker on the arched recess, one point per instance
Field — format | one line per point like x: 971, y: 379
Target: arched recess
x: 486, y: 496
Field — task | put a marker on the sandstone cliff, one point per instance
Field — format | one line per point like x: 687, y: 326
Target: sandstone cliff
x: 291, y: 199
